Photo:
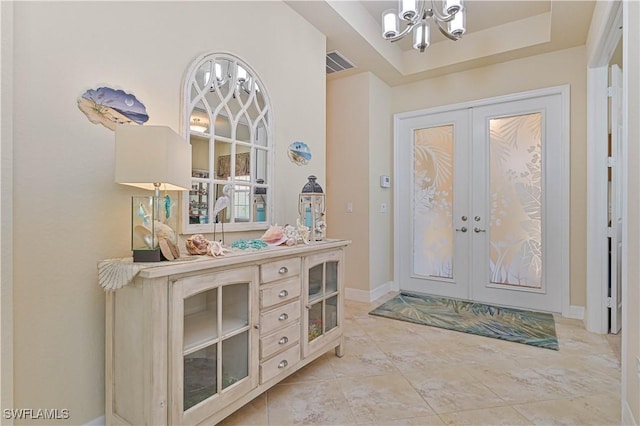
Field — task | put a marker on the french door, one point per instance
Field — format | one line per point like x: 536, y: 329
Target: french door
x: 482, y: 201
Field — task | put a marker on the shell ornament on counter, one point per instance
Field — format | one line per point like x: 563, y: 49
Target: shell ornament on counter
x: 198, y: 245
x: 288, y: 235
x: 274, y: 236
x: 111, y: 107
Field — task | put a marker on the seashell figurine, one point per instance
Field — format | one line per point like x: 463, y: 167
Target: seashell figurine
x: 292, y: 234
x: 274, y: 236
x: 303, y: 230
x: 197, y: 244
x: 216, y: 249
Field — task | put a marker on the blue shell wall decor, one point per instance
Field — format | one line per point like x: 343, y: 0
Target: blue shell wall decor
x: 299, y: 153
x: 110, y: 107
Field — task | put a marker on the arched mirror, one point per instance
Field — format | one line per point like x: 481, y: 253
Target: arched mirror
x: 228, y: 123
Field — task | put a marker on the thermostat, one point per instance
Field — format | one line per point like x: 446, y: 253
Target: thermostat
x: 385, y: 181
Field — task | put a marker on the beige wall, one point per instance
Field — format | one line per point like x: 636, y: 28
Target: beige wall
x: 552, y: 69
x: 6, y: 207
x: 68, y: 212
x: 359, y: 150
x: 348, y: 172
x: 380, y: 163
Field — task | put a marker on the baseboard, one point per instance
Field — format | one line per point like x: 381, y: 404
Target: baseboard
x: 575, y: 312
x: 100, y: 421
x: 627, y: 415
x: 365, y: 296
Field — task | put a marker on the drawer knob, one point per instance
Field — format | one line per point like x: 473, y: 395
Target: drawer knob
x: 283, y: 293
x: 283, y: 270
x: 283, y: 317
x: 283, y: 363
x: 283, y: 341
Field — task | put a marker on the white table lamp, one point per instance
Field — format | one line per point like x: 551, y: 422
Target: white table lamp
x: 152, y: 158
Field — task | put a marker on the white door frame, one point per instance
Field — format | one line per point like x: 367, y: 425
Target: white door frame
x: 564, y: 91
x: 596, y: 314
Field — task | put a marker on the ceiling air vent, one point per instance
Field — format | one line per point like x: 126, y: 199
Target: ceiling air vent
x: 336, y: 62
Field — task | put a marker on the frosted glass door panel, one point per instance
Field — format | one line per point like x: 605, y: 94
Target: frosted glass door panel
x: 433, y: 202
x: 515, y: 229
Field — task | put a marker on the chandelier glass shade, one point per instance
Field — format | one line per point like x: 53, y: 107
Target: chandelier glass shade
x: 417, y: 14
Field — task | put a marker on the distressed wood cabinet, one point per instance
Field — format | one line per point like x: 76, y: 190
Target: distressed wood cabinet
x: 191, y: 342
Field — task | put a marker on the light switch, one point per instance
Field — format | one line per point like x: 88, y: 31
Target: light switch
x: 349, y: 207
x: 383, y: 208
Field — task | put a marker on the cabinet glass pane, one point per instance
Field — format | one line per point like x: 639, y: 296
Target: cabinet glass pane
x: 235, y: 359
x: 315, y: 321
x: 200, y: 376
x: 315, y: 281
x: 332, y: 277
x: 235, y: 307
x: 200, y: 319
x: 331, y: 313
x: 199, y: 203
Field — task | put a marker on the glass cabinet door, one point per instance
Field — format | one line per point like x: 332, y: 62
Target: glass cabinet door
x: 323, y: 298
x: 218, y: 340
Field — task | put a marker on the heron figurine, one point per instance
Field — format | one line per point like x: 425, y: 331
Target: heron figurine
x: 221, y: 203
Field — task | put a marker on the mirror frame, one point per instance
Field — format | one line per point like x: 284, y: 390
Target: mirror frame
x: 194, y: 94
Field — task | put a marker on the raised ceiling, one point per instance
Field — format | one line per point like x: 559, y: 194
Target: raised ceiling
x: 497, y: 31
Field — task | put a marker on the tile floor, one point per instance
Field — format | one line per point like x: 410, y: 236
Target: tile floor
x: 397, y: 373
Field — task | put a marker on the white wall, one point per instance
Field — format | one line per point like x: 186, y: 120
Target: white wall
x: 68, y: 212
x: 631, y: 297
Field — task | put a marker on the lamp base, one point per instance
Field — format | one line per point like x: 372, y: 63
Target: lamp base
x: 148, y: 256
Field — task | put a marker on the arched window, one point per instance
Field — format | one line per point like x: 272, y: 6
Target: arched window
x: 228, y: 123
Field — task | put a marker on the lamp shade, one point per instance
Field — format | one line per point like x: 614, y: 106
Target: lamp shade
x: 148, y: 155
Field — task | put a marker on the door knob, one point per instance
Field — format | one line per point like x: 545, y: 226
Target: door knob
x: 463, y: 229
x: 476, y: 229
x: 477, y: 218
x: 464, y: 218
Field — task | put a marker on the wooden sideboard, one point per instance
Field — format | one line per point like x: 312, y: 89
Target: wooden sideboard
x: 190, y: 342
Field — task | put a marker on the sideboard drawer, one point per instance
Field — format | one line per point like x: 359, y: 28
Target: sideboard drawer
x: 280, y: 317
x: 279, y: 269
x: 275, y: 294
x: 279, y: 363
x: 279, y: 340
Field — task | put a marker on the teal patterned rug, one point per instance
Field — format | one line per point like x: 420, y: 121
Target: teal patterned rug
x: 514, y: 325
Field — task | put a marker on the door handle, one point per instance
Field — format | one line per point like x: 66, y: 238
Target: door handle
x: 476, y: 229
x: 463, y: 229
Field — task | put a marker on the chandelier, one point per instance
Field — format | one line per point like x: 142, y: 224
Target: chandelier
x: 417, y: 14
